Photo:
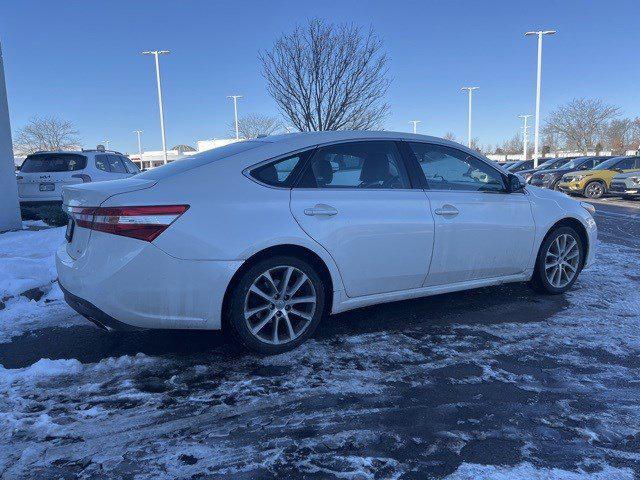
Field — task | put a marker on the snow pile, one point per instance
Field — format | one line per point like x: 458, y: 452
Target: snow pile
x: 27, y: 259
x: 529, y: 472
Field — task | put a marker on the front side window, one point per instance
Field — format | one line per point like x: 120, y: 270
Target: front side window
x: 366, y: 165
x: 281, y: 172
x: 626, y: 164
x: 130, y: 166
x: 447, y: 168
x: 115, y: 164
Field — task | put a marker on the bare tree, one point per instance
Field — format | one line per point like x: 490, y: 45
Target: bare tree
x: 619, y: 134
x: 46, y: 133
x: 256, y: 125
x: 581, y: 122
x: 328, y: 77
x: 450, y: 136
x: 513, y: 145
x: 475, y: 145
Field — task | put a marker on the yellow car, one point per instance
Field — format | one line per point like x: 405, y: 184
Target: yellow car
x: 595, y: 183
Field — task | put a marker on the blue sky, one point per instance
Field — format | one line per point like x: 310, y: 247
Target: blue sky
x: 82, y: 61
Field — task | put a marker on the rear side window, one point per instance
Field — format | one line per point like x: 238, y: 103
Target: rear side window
x: 281, y: 172
x: 53, y: 162
x: 115, y: 164
x: 101, y: 163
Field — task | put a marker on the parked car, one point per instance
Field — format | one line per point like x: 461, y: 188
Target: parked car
x: 551, y: 178
x: 42, y: 175
x: 595, y: 183
x: 506, y: 164
x: 264, y: 237
x: 520, y: 166
x: 550, y: 164
x: 627, y: 185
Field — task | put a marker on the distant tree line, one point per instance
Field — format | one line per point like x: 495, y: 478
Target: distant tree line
x: 582, y: 125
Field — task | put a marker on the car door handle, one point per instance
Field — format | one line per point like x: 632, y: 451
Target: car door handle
x: 447, y: 211
x: 320, y: 210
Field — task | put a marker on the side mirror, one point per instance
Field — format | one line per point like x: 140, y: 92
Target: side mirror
x: 514, y: 183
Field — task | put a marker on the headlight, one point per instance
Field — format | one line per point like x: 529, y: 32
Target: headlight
x: 635, y: 179
x: 577, y: 178
x: 588, y: 207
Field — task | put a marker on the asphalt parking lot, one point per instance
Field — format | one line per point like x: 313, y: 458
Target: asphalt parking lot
x: 496, y: 380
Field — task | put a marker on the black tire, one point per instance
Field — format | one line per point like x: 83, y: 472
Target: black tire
x: 595, y: 189
x: 539, y: 281
x: 234, y: 316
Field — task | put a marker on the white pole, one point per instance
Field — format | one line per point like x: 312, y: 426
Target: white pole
x: 9, y: 206
x: 470, y: 92
x: 539, y: 33
x: 156, y: 54
x: 525, y: 133
x: 138, y: 133
x: 415, y: 125
x: 235, y: 112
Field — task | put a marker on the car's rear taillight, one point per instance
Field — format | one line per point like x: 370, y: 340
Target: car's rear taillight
x: 142, y: 222
x: 82, y: 176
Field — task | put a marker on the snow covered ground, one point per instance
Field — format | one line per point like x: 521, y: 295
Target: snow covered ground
x: 497, y: 383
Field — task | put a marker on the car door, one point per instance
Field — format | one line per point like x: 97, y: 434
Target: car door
x: 480, y: 230
x: 356, y: 200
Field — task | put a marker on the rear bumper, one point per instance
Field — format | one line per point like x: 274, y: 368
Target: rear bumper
x: 122, y: 283
x: 93, y: 313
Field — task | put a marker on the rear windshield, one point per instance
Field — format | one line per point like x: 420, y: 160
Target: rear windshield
x: 179, y: 166
x: 53, y: 162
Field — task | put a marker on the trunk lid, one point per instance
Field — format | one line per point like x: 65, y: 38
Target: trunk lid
x: 93, y: 195
x: 34, y: 186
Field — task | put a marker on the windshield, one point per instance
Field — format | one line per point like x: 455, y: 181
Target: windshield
x: 607, y: 164
x: 200, y: 159
x: 553, y: 164
x: 575, y: 163
x: 53, y: 162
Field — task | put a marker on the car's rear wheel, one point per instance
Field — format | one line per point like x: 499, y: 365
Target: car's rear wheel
x: 276, y: 305
x: 559, y: 261
x: 595, y: 189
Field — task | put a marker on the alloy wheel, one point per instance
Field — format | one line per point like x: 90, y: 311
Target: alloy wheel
x: 562, y: 260
x: 280, y: 305
x: 594, y: 190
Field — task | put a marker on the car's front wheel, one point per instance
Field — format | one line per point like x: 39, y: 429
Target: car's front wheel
x: 595, y: 189
x: 276, y: 305
x: 559, y: 261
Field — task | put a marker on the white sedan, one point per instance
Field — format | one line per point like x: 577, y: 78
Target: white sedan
x: 264, y: 237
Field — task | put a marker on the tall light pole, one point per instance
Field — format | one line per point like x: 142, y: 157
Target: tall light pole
x: 526, y: 134
x: 540, y: 34
x: 415, y: 125
x: 470, y: 91
x: 156, y: 53
x: 138, y: 133
x: 235, y: 112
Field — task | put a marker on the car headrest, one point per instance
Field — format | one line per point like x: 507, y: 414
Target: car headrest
x: 375, y: 168
x: 323, y: 172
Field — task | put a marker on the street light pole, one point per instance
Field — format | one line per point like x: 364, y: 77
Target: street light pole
x: 415, y: 125
x: 235, y: 112
x: 138, y: 133
x: 470, y: 91
x: 156, y: 53
x: 539, y: 33
x: 526, y: 134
